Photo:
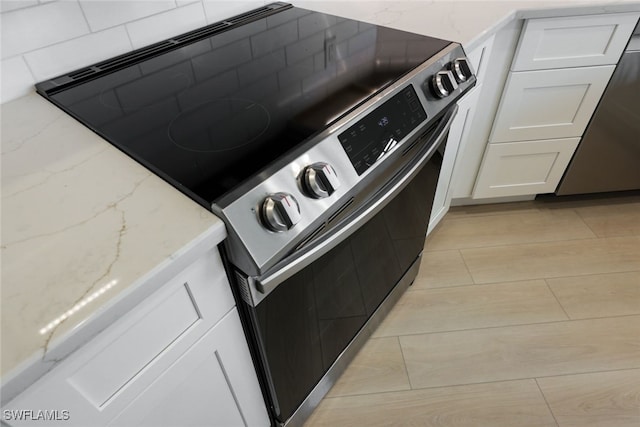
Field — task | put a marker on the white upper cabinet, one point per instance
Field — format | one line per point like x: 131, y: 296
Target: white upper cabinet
x: 549, y: 103
x: 575, y: 41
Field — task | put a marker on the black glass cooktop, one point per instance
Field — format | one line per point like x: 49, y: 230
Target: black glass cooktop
x: 209, y: 113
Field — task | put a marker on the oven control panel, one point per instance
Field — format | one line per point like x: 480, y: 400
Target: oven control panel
x: 294, y: 201
x: 369, y: 139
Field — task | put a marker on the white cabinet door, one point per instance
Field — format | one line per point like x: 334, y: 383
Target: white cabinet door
x: 132, y: 357
x: 575, y: 41
x: 523, y: 168
x: 455, y: 146
x: 549, y: 103
x: 213, y: 384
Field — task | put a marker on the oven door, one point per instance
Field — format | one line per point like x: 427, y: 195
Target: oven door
x: 312, y: 322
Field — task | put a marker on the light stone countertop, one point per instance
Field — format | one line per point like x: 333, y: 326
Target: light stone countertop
x: 84, y: 229
x: 87, y: 232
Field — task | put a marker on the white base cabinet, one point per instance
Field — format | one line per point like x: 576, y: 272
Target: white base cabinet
x: 560, y: 70
x: 178, y: 359
x: 209, y: 385
x: 549, y: 103
x: 527, y: 167
x: 455, y: 145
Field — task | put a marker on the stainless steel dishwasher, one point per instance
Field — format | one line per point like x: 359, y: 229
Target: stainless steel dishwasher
x: 608, y: 157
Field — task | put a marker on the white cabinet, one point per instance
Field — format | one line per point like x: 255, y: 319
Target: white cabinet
x: 181, y: 348
x: 527, y: 167
x: 455, y: 145
x: 575, y: 41
x: 549, y: 103
x: 210, y: 385
x: 560, y: 70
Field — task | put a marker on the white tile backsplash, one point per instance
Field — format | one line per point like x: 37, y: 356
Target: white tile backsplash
x: 103, y: 14
x: 31, y: 28
x: 218, y: 10
x: 167, y: 24
x: 44, y: 38
x: 7, y: 5
x: 16, y: 79
x: 68, y: 56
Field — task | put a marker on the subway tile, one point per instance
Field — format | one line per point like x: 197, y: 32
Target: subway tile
x: 313, y: 23
x: 32, y: 28
x: 9, y: 5
x: 274, y: 38
x: 81, y: 52
x: 259, y: 67
x: 103, y: 14
x: 181, y: 3
x: 165, y: 25
x: 217, y: 10
x: 17, y: 80
x: 221, y: 59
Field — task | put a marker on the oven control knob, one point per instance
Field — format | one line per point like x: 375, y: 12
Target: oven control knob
x: 280, y: 212
x: 443, y: 83
x: 319, y: 180
x: 461, y: 69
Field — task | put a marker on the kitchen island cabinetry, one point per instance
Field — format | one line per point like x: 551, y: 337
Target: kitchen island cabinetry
x: 545, y: 108
x: 178, y: 358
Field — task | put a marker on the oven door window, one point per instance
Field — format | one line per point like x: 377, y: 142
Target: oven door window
x: 309, y: 319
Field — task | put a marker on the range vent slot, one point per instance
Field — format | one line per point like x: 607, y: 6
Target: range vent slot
x: 311, y: 236
x: 339, y: 211
x: 60, y: 83
x: 202, y: 32
x: 243, y: 285
x: 421, y: 138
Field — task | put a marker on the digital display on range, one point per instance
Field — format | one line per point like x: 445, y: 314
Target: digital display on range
x: 372, y: 137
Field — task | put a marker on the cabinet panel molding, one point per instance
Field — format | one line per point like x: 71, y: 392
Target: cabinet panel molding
x: 575, y: 41
x: 522, y: 168
x: 549, y: 103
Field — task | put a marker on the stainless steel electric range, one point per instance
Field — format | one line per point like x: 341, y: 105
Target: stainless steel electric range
x: 318, y: 140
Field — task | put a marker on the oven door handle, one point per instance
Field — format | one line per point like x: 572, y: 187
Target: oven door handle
x: 296, y: 261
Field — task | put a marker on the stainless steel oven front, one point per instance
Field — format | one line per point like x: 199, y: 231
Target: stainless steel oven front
x: 310, y: 313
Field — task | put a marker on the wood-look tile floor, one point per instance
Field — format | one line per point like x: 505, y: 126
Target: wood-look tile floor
x: 524, y: 314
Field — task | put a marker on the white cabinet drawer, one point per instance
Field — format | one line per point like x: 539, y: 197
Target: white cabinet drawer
x: 523, y: 168
x: 575, y: 41
x: 549, y: 103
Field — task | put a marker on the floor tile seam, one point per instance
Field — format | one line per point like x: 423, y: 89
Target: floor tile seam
x: 516, y: 325
x: 514, y: 283
x: 544, y: 397
x: 558, y: 300
x: 506, y: 380
x: 464, y: 261
x: 539, y: 242
x: 591, y: 274
x: 530, y: 378
x: 428, y: 388
x: 404, y: 362
x: 584, y: 221
x: 599, y: 273
x: 601, y: 371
